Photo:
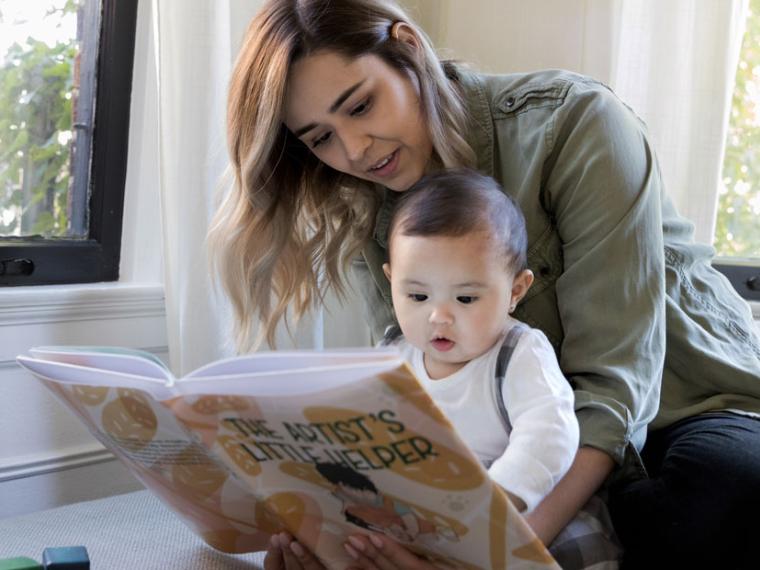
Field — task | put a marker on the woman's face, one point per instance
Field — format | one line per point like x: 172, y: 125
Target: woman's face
x: 359, y: 116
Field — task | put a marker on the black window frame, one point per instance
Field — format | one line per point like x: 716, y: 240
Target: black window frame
x: 50, y: 261
x: 744, y: 275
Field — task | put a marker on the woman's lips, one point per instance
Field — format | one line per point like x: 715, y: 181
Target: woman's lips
x: 388, y: 168
x: 442, y: 344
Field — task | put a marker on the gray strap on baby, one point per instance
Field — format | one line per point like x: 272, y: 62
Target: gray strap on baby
x: 392, y: 333
x: 502, y: 363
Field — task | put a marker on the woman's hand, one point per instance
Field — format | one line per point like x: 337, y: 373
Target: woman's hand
x: 376, y: 552
x: 284, y: 553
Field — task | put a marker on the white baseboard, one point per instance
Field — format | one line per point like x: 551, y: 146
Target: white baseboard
x: 47, y: 482
x: 33, y: 466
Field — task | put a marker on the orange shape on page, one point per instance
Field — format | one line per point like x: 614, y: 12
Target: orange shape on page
x: 406, y: 453
x: 198, y: 481
x: 90, y: 395
x: 235, y: 542
x: 288, y: 508
x: 239, y: 456
x: 535, y: 551
x: 299, y: 514
x: 130, y: 417
x: 399, y: 381
x: 497, y: 530
x: 212, y: 405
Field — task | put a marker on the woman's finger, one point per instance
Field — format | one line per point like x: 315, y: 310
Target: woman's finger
x: 376, y: 552
x: 295, y: 556
x: 273, y: 559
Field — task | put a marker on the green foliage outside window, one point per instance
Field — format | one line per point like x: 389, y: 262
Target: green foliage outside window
x: 37, y: 95
x: 737, y: 232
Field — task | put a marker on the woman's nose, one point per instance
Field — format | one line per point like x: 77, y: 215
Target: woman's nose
x: 356, y: 145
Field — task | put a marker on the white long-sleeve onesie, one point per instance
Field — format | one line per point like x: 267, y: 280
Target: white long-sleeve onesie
x: 530, y: 460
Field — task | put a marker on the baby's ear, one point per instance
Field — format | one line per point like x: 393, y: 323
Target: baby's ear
x: 387, y: 270
x: 520, y: 285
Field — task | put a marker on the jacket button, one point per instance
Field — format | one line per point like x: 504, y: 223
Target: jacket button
x: 510, y: 102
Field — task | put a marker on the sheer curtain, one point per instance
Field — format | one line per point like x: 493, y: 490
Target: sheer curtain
x: 672, y: 61
x: 195, y: 46
x: 675, y: 65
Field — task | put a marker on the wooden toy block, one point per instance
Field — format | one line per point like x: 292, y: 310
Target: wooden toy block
x: 20, y: 563
x: 66, y: 558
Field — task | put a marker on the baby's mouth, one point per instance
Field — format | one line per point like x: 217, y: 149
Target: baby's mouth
x: 442, y: 344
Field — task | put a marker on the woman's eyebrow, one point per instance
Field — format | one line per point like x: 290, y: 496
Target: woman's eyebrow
x: 334, y: 107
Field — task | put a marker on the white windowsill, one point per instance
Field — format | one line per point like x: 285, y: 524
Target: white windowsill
x: 52, y: 303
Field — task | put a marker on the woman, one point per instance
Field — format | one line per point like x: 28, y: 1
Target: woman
x: 335, y: 107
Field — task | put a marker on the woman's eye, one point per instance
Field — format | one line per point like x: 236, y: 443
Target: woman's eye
x: 361, y: 108
x: 321, y: 140
x: 466, y: 299
x: 418, y: 297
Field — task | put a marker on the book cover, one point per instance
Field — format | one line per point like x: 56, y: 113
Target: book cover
x: 321, y: 444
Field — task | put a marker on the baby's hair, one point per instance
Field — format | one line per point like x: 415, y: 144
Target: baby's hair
x: 336, y: 474
x: 456, y: 202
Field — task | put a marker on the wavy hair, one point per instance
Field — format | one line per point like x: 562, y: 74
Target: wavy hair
x: 287, y: 228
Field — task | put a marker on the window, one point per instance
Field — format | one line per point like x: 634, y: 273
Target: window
x: 65, y: 85
x: 737, y: 232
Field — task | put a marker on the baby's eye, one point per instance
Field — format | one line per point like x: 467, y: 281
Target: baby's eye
x: 418, y: 297
x: 321, y: 140
x: 361, y: 108
x: 466, y: 299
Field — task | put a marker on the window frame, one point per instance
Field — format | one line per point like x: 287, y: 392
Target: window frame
x: 740, y: 272
x: 95, y: 258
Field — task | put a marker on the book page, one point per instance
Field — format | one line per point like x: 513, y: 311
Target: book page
x: 293, y: 361
x: 117, y: 359
x: 307, y: 377
x: 66, y: 373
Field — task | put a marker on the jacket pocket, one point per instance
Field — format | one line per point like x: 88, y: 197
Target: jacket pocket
x: 531, y: 96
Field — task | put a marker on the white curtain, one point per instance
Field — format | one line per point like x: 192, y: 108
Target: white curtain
x: 676, y: 63
x: 673, y: 61
x: 196, y: 43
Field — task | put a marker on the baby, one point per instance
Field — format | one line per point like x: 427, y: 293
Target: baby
x: 457, y: 266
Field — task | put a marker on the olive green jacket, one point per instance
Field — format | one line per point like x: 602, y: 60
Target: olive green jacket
x: 634, y: 310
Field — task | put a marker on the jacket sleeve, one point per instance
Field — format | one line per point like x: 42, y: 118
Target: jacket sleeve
x: 602, y: 188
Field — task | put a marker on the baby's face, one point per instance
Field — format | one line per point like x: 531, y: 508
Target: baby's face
x: 451, y: 296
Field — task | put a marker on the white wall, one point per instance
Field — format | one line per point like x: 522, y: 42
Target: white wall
x: 499, y: 36
x: 47, y: 457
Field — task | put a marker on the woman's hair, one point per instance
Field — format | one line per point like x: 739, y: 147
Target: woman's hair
x: 289, y: 226
x: 457, y: 202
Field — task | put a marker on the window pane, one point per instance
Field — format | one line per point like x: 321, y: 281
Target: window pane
x: 46, y: 101
x: 737, y: 232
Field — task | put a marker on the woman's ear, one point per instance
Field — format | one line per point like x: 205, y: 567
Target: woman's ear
x: 520, y: 285
x: 387, y: 270
x: 403, y: 32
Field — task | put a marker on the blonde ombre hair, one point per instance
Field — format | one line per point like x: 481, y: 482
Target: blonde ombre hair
x: 289, y: 218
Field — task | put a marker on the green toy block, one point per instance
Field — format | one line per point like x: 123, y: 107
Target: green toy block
x: 66, y: 558
x: 21, y: 563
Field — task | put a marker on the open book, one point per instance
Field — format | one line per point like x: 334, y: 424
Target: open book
x: 321, y: 444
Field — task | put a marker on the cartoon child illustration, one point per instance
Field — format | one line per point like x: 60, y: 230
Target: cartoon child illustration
x: 365, y: 506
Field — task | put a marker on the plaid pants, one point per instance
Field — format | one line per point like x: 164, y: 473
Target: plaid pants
x: 589, y: 541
